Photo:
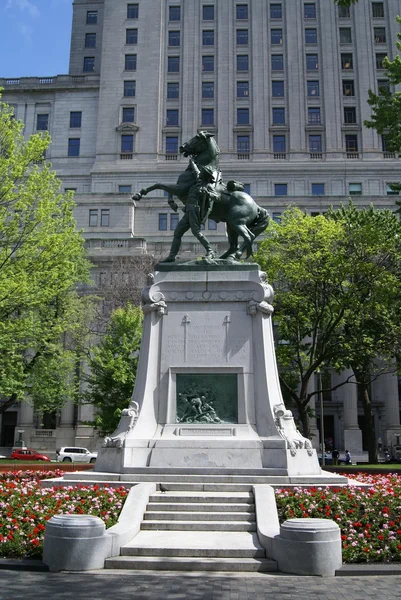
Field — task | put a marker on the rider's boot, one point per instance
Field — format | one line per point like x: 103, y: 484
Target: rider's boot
x: 205, y: 243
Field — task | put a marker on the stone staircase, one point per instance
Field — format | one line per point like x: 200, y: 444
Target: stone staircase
x: 196, y: 530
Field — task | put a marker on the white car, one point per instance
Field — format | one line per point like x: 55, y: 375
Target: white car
x: 75, y: 454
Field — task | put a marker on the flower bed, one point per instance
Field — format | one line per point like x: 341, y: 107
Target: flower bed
x: 369, y: 518
x: 25, y: 507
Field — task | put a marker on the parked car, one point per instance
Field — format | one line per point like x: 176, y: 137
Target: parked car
x: 328, y: 459
x: 75, y: 454
x: 27, y: 454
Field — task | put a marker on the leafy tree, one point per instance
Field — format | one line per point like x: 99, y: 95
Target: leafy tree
x: 41, y: 262
x: 338, y: 298
x: 112, y: 367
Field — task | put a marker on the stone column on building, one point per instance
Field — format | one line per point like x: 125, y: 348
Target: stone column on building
x: 25, y: 422
x: 315, y: 436
x: 65, y: 433
x: 385, y: 390
x: 349, y: 395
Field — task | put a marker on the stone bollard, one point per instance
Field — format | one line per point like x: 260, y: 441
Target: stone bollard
x: 308, y: 547
x: 75, y: 543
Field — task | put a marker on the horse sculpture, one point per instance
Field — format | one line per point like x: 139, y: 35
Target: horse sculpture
x: 243, y: 217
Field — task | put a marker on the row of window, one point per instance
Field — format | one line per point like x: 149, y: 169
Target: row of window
x: 42, y: 121
x: 318, y: 189
x: 104, y: 220
x: 174, y: 219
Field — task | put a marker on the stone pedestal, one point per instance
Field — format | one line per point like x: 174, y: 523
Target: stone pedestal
x: 207, y: 392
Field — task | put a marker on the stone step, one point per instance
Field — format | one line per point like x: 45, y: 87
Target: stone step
x: 195, y: 553
x: 199, y: 525
x: 199, y: 516
x: 199, y: 507
x: 203, y: 498
x: 175, y: 563
x: 186, y: 478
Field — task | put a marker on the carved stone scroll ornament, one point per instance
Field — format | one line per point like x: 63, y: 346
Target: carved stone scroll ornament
x: 129, y: 417
x: 263, y: 307
x: 287, y: 429
x: 153, y: 301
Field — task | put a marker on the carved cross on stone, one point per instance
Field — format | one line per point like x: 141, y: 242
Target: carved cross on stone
x: 185, y: 322
x: 226, y: 323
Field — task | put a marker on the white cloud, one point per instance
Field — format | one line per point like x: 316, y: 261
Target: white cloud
x: 26, y: 31
x: 25, y: 6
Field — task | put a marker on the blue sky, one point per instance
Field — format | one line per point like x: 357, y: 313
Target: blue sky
x: 34, y: 37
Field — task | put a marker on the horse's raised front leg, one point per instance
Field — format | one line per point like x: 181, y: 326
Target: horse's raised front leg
x: 173, y: 189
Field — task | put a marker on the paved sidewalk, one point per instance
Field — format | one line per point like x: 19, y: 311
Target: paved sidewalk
x: 194, y: 586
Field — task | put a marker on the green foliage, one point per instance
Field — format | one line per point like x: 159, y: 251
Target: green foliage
x: 41, y: 262
x: 112, y: 367
x: 345, y: 2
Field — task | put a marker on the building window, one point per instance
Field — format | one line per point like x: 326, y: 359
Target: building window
x: 127, y: 144
x: 242, y: 116
x: 378, y: 10
x: 130, y: 62
x: 129, y: 114
x: 344, y: 12
x: 355, y: 189
x: 379, y: 61
x: 242, y: 62
x: 243, y: 145
x: 74, y: 145
x: 277, y: 62
x: 379, y: 34
x: 276, y: 37
x: 174, y: 218
x: 241, y: 12
x: 173, y: 90
x: 312, y: 62
x: 310, y: 35
x: 313, y: 89
x: 314, y: 115
x: 208, y: 63
x: 348, y: 87
x: 277, y: 89
x: 171, y: 145
x: 91, y: 17
x: 89, y: 64
x: 129, y: 89
x: 207, y: 116
x: 280, y: 189
x: 172, y: 118
x: 93, y: 217
x: 276, y: 11
x: 75, y: 119
x: 317, y: 189
x: 207, y: 89
x: 247, y: 188
x: 345, y: 35
x: 104, y: 217
x: 208, y: 37
x: 211, y: 225
x: 279, y: 143
x: 349, y: 115
x: 347, y: 62
x: 351, y: 143
x: 132, y: 11
x: 173, y: 64
x: 174, y: 38
x: 174, y: 13
x: 162, y: 221
x: 390, y: 191
x: 276, y: 216
x: 242, y: 37
x: 90, y: 40
x: 42, y: 122
x: 310, y: 10
x: 208, y: 12
x: 242, y: 89
x: 131, y: 37
x: 315, y: 143
x: 124, y: 189
x: 383, y: 86
x: 278, y: 116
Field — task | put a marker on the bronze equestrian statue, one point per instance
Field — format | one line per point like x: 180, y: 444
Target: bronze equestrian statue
x: 204, y: 195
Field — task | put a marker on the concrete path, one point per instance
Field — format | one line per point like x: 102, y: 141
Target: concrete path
x: 195, y: 586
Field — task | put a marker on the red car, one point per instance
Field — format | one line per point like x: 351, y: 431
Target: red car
x: 28, y: 455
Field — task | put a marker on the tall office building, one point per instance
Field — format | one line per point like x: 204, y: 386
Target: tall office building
x: 282, y: 85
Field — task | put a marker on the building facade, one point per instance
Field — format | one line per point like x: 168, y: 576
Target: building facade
x: 282, y: 85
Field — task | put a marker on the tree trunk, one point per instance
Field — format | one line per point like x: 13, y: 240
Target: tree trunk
x: 370, y: 422
x: 7, y: 403
x: 304, y: 418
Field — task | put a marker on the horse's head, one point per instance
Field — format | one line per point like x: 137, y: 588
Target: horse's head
x: 196, y: 145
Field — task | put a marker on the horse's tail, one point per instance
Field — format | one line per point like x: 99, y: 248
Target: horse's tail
x: 260, y: 223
